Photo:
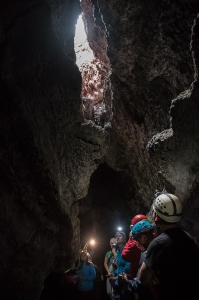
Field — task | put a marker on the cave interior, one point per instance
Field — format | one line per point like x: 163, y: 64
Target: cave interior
x: 84, y: 148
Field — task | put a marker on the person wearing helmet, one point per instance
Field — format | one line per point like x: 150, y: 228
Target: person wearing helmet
x: 122, y: 265
x: 173, y: 255
x: 142, y: 233
x: 137, y: 218
x: 132, y: 250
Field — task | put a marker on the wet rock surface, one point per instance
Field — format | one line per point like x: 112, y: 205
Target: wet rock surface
x: 61, y: 172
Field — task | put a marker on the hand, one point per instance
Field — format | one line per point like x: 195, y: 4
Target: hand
x: 124, y: 276
x: 110, y: 275
x: 114, y: 278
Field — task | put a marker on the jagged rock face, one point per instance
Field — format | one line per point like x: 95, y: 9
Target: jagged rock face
x: 176, y: 150
x: 151, y: 63
x: 148, y: 48
x: 47, y: 151
x: 50, y: 153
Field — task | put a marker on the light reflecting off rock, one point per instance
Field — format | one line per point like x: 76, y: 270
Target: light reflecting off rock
x: 84, y: 54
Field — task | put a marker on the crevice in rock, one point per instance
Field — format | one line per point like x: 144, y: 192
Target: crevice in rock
x: 93, y: 63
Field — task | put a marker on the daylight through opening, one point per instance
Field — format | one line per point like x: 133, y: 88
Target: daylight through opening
x: 84, y: 54
x: 91, y: 59
x: 89, y: 66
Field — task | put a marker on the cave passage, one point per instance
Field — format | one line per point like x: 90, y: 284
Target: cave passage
x: 98, y: 211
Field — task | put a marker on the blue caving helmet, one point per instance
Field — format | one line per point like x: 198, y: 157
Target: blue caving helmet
x: 140, y: 227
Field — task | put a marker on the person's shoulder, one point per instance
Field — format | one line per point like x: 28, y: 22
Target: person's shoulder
x: 131, y: 242
x: 179, y: 234
x: 108, y: 253
x: 187, y: 234
x: 143, y: 255
x: 134, y: 244
x: 91, y: 265
x: 157, y: 242
x: 190, y: 240
x: 132, y: 248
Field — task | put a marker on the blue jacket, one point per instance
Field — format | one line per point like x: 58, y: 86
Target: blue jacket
x: 122, y: 265
x: 89, y: 274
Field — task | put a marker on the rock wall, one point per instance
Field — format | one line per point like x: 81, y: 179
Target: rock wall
x: 48, y: 151
x: 151, y: 62
x: 176, y: 150
x: 54, y: 162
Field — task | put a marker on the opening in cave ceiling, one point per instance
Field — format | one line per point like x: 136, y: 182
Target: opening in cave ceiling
x: 89, y: 66
x: 92, y: 61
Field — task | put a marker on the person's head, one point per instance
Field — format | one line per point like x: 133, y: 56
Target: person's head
x: 120, y: 238
x: 136, y: 219
x: 142, y: 232
x: 85, y: 257
x: 112, y: 242
x: 167, y: 209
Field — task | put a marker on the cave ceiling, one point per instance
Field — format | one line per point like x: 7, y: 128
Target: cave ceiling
x: 66, y: 172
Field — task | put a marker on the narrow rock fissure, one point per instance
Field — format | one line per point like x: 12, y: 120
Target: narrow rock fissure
x: 92, y: 61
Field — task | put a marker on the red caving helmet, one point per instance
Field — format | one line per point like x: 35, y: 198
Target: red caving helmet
x: 138, y: 218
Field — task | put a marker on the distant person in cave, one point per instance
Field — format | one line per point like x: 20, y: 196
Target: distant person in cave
x: 110, y: 264
x: 132, y: 250
x: 122, y: 266
x: 85, y: 276
x: 97, y: 261
x: 172, y: 257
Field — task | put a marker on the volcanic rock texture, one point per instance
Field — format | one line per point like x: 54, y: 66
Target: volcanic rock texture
x: 61, y: 172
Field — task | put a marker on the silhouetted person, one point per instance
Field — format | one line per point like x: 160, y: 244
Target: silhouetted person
x: 172, y: 257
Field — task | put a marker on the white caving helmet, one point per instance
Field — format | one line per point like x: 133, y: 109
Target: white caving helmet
x: 168, y: 207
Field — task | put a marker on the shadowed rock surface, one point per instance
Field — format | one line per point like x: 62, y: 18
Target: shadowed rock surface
x: 64, y: 177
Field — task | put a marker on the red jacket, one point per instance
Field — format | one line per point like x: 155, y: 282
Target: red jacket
x: 131, y: 253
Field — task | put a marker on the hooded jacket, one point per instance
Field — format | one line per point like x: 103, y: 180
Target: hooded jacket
x: 88, y: 272
x: 131, y: 253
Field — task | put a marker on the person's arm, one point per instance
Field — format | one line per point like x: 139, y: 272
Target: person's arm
x: 134, y: 285
x: 146, y: 274
x: 126, y: 268
x: 114, y: 252
x: 126, y: 253
x: 106, y: 265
